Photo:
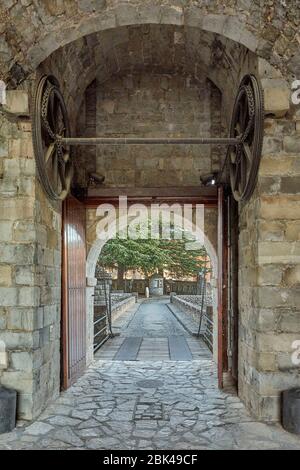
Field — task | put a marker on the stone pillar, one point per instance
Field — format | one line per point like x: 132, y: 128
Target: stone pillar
x: 30, y: 262
x: 269, y: 264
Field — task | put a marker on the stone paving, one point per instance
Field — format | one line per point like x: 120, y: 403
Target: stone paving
x: 153, y: 321
x: 148, y: 405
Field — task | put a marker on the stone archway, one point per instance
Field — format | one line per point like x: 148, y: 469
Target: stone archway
x: 93, y: 256
x: 269, y: 238
x: 262, y: 29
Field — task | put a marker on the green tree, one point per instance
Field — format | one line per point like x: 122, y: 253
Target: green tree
x: 150, y: 256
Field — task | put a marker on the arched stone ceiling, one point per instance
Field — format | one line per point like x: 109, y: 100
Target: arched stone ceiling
x: 157, y: 48
x: 31, y: 30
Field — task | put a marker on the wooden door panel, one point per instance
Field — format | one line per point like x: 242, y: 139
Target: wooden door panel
x: 73, y: 292
x: 222, y: 287
x: 233, y: 285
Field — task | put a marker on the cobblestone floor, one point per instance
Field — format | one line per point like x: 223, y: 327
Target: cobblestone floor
x: 148, y: 405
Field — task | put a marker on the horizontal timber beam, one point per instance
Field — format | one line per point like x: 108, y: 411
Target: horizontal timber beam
x: 147, y: 141
x: 184, y: 194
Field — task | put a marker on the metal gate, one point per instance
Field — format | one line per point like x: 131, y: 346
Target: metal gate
x: 102, y: 308
x: 73, y: 292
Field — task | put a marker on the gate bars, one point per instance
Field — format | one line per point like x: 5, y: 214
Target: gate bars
x: 52, y: 139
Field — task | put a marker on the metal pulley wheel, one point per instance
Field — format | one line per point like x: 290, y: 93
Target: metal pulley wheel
x: 247, y: 124
x: 52, y: 140
x: 50, y: 121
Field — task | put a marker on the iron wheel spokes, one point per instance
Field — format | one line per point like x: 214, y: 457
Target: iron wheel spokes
x: 247, y: 124
x: 50, y: 122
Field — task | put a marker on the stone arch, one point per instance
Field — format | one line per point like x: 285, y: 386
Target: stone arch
x: 115, y: 48
x: 93, y: 256
x: 251, y: 27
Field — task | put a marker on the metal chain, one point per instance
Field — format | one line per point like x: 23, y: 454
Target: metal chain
x: 251, y: 104
x: 45, y: 104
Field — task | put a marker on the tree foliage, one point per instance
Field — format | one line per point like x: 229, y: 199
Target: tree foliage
x: 149, y: 256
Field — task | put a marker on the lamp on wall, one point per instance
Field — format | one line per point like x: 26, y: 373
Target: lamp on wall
x: 96, y: 178
x: 209, y: 180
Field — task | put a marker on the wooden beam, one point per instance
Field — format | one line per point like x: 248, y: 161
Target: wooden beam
x: 186, y: 194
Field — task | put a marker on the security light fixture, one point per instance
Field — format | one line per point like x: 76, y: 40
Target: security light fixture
x: 96, y: 178
x: 209, y: 180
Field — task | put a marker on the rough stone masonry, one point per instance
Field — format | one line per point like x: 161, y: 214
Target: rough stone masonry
x: 167, y: 53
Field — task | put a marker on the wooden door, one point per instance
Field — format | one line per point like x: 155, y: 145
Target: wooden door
x: 73, y: 292
x: 222, y: 287
x: 233, y: 256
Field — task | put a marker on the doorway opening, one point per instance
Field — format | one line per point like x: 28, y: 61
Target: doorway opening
x: 170, y: 275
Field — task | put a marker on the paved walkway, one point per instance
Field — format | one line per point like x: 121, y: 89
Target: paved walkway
x: 157, y: 328
x: 148, y: 405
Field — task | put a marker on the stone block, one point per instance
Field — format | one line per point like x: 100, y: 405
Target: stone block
x: 272, y: 384
x: 24, y: 275
x: 269, y: 184
x: 285, y: 207
x: 270, y: 275
x: 266, y: 362
x: 24, y: 231
x: 8, y: 187
x: 17, y: 254
x: 273, y: 343
x: 278, y: 166
x: 5, y: 275
x: 277, y: 97
x: 266, y: 70
x: 172, y: 15
x: 271, y: 145
x: 292, y: 232
x: 25, y: 406
x: 151, y: 12
x: 291, y: 276
x: 24, y: 126
x: 291, y: 144
x: 271, y: 231
x: 269, y: 408
x: 273, y: 297
x: 18, y: 380
x: 278, y: 252
x: 16, y: 340
x: 17, y: 102
x: 3, y: 318
x: 8, y: 296
x: 23, y: 319
x: 23, y: 149
x: 29, y: 296
x: 285, y: 363
x: 290, y: 184
x: 50, y: 315
x: 264, y: 320
x: 21, y: 361
x: 12, y: 209
x: 126, y: 14
x: 289, y: 321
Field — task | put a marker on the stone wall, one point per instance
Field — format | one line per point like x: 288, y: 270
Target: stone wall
x: 269, y: 223
x: 120, y: 307
x: 267, y: 28
x: 269, y: 261
x: 191, y: 304
x: 150, y: 49
x: 148, y: 105
x: 29, y: 267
